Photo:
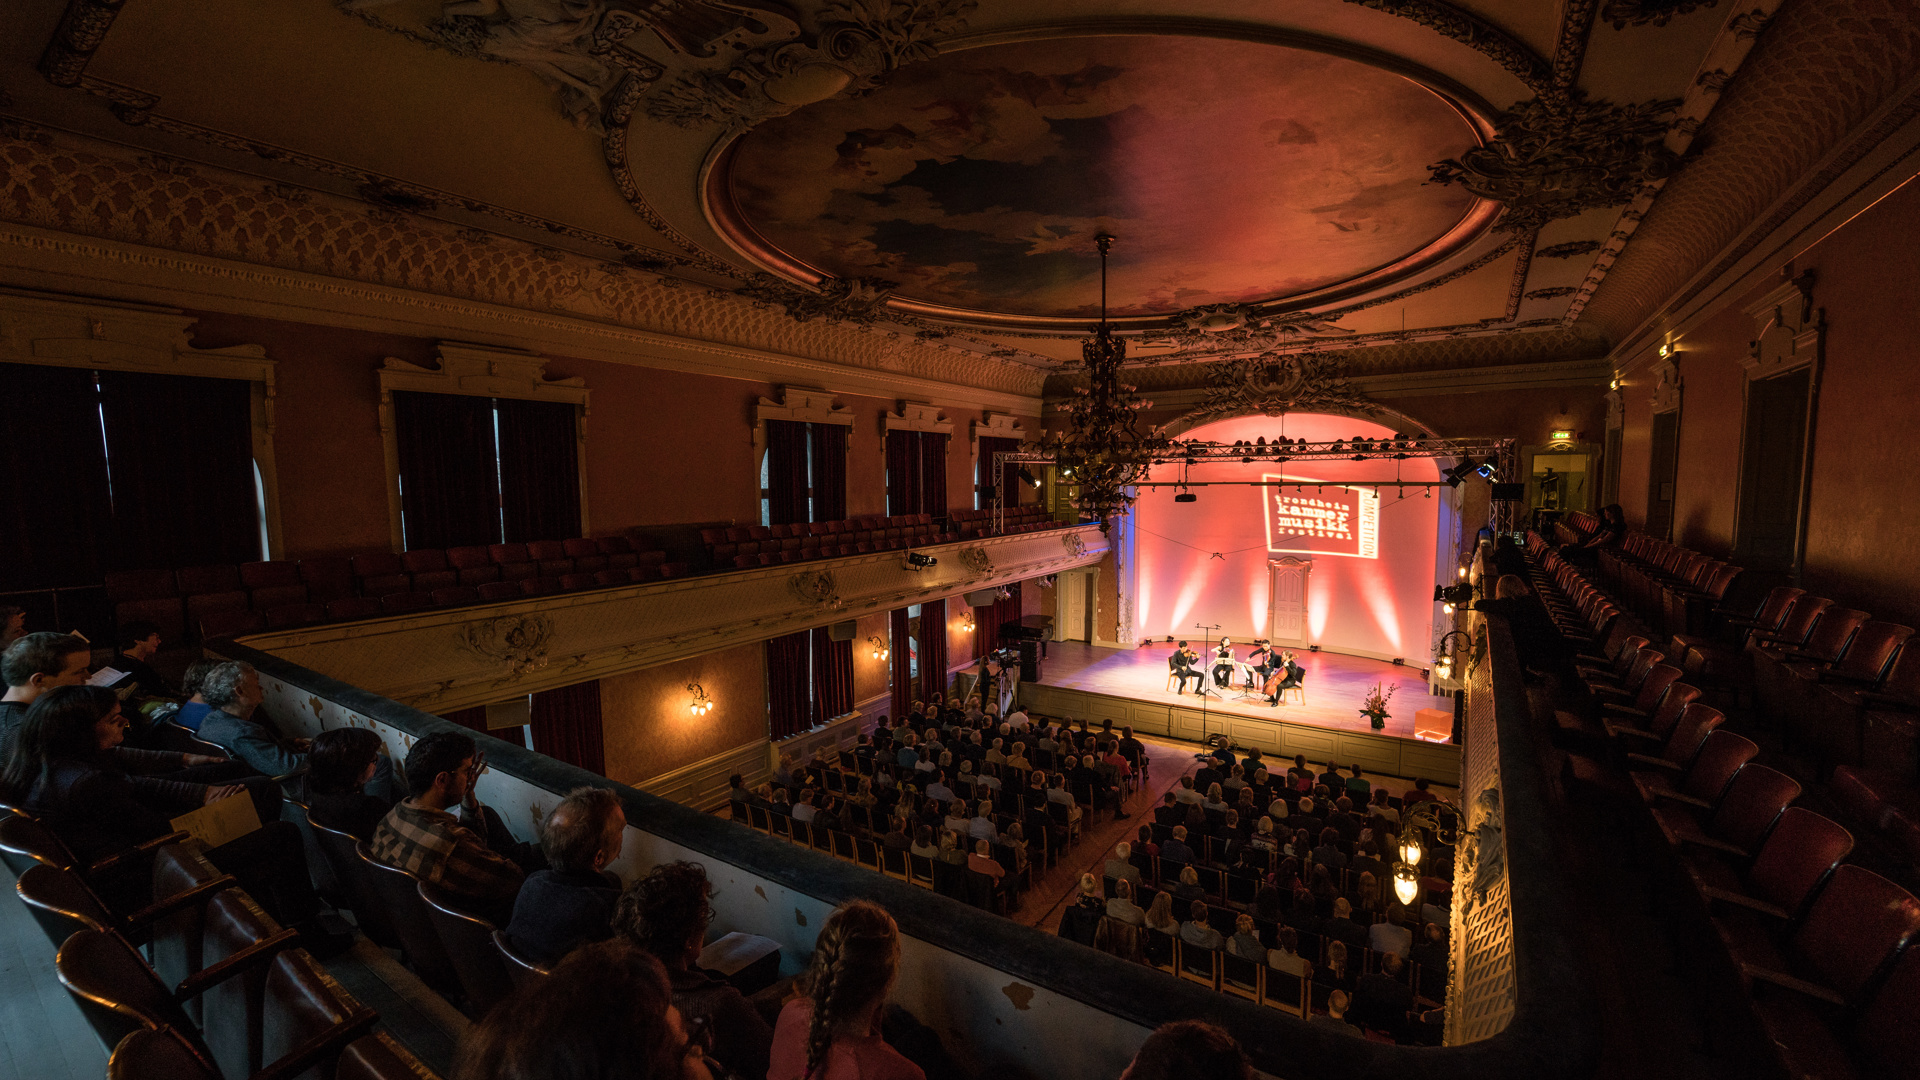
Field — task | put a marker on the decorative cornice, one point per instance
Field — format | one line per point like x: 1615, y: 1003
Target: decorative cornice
x: 803, y: 404
x: 916, y: 416
x: 993, y: 425
x: 1475, y: 33
x: 476, y: 371
x: 1278, y: 385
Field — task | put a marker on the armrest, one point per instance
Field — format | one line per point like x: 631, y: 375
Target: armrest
x: 1745, y: 901
x: 1888, y: 701
x: 180, y: 901
x: 119, y: 857
x: 1689, y: 800
x: 1781, y: 978
x: 1832, y: 676
x: 1711, y: 844
x: 324, y: 1045
x: 1654, y: 762
x: 1636, y: 733
x: 1622, y: 710
x: 254, y: 955
x: 1795, y: 656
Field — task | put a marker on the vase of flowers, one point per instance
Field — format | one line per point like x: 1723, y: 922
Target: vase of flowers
x: 1374, y: 708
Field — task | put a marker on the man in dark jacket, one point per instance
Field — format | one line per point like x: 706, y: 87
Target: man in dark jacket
x: 571, y: 903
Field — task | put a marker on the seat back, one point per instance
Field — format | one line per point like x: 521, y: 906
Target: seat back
x: 338, y: 849
x: 1871, y: 650
x: 1654, y: 687
x: 308, y: 1018
x: 1797, y: 857
x: 1198, y: 963
x: 1833, y: 633
x: 178, y: 946
x: 378, y: 1057
x: 468, y: 939
x: 116, y: 991
x: 399, y: 892
x: 1886, y: 1037
x: 32, y: 842
x: 158, y: 1052
x: 1775, y: 605
x: 520, y: 970
x: 60, y: 902
x: 1721, y: 755
x: 1666, y: 719
x: 1752, y: 804
x: 1644, y: 662
x: 230, y: 1010
x: 1853, y: 928
x: 1799, y: 623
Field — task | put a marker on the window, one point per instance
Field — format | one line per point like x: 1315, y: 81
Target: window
x: 803, y: 475
x: 477, y: 470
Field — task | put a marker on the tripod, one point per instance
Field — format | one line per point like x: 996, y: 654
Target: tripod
x: 1206, y: 650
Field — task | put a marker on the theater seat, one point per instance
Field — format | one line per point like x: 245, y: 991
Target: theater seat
x: 226, y: 624
x: 540, y: 586
x: 610, y: 578
x: 123, y: 585
x: 198, y: 607
x: 576, y: 582
x: 455, y: 596
x: 166, y: 612
x: 207, y: 579
x: 353, y: 607
x: 268, y: 597
x: 290, y: 615
x: 403, y: 602
x: 378, y: 1057
x: 265, y: 575
x: 501, y: 590
x: 327, y: 579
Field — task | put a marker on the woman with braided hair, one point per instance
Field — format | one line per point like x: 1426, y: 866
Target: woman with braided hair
x: 832, y: 1031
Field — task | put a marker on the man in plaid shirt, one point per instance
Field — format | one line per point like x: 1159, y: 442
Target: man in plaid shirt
x: 472, y: 856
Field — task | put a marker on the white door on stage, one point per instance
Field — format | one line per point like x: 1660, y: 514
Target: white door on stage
x: 1287, y: 600
x: 1073, y: 598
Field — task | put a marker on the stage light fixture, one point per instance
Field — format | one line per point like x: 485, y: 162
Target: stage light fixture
x: 1461, y: 594
x: 1459, y: 472
x: 1186, y: 497
x: 916, y: 561
x: 1026, y: 476
x: 1485, y: 468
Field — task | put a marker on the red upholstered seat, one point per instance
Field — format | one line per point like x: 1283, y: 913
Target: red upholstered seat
x: 207, y: 579
x: 609, y: 578
x: 673, y: 569
x: 579, y: 547
x: 1744, y: 814
x: 401, y: 603
x: 226, y: 624
x: 501, y: 590
x: 386, y: 584
x: 520, y: 571
x: 166, y: 612
x: 288, y: 615
x: 454, y: 596
x: 640, y: 574
x: 261, y: 575
x: 199, y: 606
x: 429, y: 580
x: 124, y: 585
x: 273, y: 596
x: 377, y: 564
x: 479, y: 575
x: 573, y: 582
x: 353, y: 607
x: 508, y: 553
x: 466, y: 558
x: 540, y: 586
x: 327, y: 578
x: 424, y: 560
x: 614, y: 545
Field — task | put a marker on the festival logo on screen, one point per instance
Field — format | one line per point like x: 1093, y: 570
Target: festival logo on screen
x: 1319, y: 518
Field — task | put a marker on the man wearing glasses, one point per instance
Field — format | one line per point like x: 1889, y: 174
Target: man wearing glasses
x: 472, y: 856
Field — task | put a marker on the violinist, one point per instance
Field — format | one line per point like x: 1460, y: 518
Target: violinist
x: 1260, y: 663
x: 1223, y: 664
x: 1181, y: 664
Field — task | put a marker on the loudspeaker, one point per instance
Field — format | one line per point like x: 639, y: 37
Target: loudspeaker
x: 1029, y: 661
x: 982, y: 597
x: 842, y: 631
x: 1509, y: 492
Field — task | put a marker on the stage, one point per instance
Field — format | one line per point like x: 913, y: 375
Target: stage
x: 1129, y: 686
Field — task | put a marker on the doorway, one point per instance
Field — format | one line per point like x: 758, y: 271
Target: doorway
x: 1772, y: 470
x: 1287, y: 601
x: 1074, y: 620
x: 1660, y: 476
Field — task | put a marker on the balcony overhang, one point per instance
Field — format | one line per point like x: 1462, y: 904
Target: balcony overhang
x: 440, y: 661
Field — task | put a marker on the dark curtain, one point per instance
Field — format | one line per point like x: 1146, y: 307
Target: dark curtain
x: 447, y: 484
x: 539, y: 470
x: 933, y: 648
x: 56, y: 526
x: 982, y: 631
x: 829, y: 471
x: 180, y: 455
x: 900, y: 655
x: 566, y: 726
x: 832, y: 676
x: 903, y: 472
x: 1008, y: 479
x: 786, y: 472
x: 475, y: 719
x: 789, y: 705
x: 933, y: 475
x: 1002, y: 611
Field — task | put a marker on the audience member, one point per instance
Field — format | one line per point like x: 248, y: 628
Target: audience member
x: 923, y: 843
x: 803, y: 808
x: 570, y: 903
x: 1245, y: 943
x: 1381, y: 1000
x: 33, y: 665
x: 1335, y: 972
x: 1285, y: 954
x: 981, y: 861
x: 1120, y: 867
x: 1418, y: 794
x: 1121, y: 906
x: 667, y: 913
x: 832, y: 1031
x: 1189, y: 1050
x: 951, y: 850
x: 1391, y: 936
x: 1196, y: 932
x: 1431, y: 953
x: 341, y: 765
x: 606, y: 1013
x: 137, y: 643
x: 982, y: 827
x: 1336, y: 1016
x: 1143, y: 842
x: 1160, y: 915
x: 1169, y: 812
x: 1187, y: 885
x: 1342, y: 927
x: 1176, y: 849
x: 233, y: 696
x: 472, y: 856
x: 195, y: 708
x: 1185, y: 794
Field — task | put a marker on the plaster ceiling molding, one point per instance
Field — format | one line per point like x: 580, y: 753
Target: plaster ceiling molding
x: 1479, y: 34
x: 80, y: 187
x: 1666, y: 386
x: 1802, y: 113
x: 1274, y: 386
x: 803, y: 404
x: 916, y: 416
x: 993, y: 425
x: 1787, y: 330
x: 1716, y: 70
x: 480, y: 371
x: 816, y: 587
x: 966, y: 190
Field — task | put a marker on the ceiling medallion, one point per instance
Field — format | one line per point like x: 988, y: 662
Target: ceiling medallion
x: 1275, y: 385
x: 1554, y: 159
x: 1102, y: 451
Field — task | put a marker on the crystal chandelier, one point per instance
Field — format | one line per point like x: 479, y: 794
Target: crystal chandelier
x: 1103, y: 451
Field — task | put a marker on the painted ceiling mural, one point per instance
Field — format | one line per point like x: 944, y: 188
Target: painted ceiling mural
x: 977, y: 179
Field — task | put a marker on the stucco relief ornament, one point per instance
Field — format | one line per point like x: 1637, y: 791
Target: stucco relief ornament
x: 855, y: 300
x: 1274, y: 385
x: 1235, y: 328
x: 977, y: 561
x: 518, y: 641
x: 1555, y: 158
x: 817, y: 587
x: 1483, y: 852
x: 1074, y: 545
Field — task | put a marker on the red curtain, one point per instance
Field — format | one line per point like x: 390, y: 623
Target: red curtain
x: 786, y: 472
x: 182, y: 469
x: 829, y: 471
x: 901, y: 656
x: 832, y: 676
x: 448, y: 492
x: 1003, y: 611
x: 933, y: 648
x: 566, y: 726
x: 475, y: 719
x: 789, y: 704
x: 539, y: 470
x: 50, y: 433
x: 903, y: 472
x: 933, y: 475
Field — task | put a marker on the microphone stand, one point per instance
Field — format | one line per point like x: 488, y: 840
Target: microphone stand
x: 1206, y: 672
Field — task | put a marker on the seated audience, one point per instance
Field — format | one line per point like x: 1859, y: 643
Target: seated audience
x: 472, y: 856
x: 605, y: 1012
x: 1381, y: 1000
x: 33, y: 665
x: 950, y: 849
x: 667, y: 913
x: 1418, y: 794
x: 1169, y: 812
x: 1121, y: 906
x: 832, y: 1030
x: 67, y: 769
x: 1432, y: 954
x: 803, y: 809
x: 341, y: 765
x: 1160, y: 915
x: 1391, y: 936
x: 1189, y: 1050
x: 1187, y: 886
x: 1197, y: 933
x: 1335, y: 971
x: 923, y: 843
x: 195, y: 708
x: 233, y: 696
x: 1342, y: 927
x: 1244, y: 943
x: 1120, y: 867
x: 1285, y: 954
x: 982, y: 827
x: 1176, y: 849
x: 570, y: 903
x: 981, y: 861
x: 1336, y: 1016
x: 1185, y: 794
x: 137, y: 643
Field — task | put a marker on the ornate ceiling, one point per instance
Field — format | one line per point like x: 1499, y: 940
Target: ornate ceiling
x: 917, y: 183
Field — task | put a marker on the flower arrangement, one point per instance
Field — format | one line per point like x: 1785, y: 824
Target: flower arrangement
x: 1375, y: 706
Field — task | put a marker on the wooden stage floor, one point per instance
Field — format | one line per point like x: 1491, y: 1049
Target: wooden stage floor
x: 1335, y: 686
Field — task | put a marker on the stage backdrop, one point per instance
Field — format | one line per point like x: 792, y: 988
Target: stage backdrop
x: 1370, y: 588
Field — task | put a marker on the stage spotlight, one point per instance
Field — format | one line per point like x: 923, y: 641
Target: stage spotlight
x: 1399, y: 661
x: 1028, y: 478
x: 1186, y: 497
x: 1486, y: 469
x: 917, y: 561
x: 1459, y: 472
x: 1460, y: 594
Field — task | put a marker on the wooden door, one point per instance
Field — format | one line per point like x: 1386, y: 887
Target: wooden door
x: 1287, y: 601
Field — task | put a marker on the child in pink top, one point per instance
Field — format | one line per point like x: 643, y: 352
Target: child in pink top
x: 832, y: 1032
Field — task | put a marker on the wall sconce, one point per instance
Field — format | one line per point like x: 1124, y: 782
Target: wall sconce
x: 879, y: 647
x: 1666, y: 351
x: 702, y: 704
x: 1406, y: 883
x: 1410, y: 850
x: 966, y: 621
